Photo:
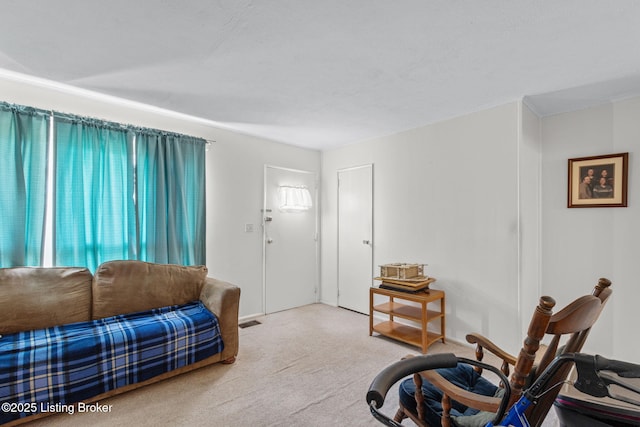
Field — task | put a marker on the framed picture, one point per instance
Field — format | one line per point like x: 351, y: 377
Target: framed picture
x: 598, y: 181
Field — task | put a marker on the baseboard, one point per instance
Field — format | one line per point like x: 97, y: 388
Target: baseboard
x: 249, y: 317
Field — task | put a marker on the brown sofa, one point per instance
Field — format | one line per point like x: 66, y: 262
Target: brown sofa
x: 37, y: 298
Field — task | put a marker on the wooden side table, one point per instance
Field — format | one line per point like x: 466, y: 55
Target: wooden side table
x: 420, y: 336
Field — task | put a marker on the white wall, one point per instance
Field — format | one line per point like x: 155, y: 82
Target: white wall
x: 445, y: 194
x: 581, y: 245
x: 235, y: 165
x: 480, y: 198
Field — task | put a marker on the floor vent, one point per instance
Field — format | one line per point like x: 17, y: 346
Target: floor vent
x: 249, y: 323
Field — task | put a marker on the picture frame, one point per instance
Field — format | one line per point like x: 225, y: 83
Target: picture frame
x: 598, y: 181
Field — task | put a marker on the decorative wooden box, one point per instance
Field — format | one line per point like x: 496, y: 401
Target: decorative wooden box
x: 401, y: 271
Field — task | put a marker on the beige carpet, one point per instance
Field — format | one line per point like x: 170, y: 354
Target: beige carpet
x: 310, y: 366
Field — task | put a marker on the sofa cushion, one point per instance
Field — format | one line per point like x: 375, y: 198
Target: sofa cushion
x: 35, y: 298
x: 121, y: 287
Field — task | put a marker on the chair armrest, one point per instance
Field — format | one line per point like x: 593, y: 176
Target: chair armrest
x: 473, y: 400
x: 486, y: 344
x: 223, y: 299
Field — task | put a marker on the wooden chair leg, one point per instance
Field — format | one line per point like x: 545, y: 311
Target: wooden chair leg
x: 400, y: 415
x: 417, y: 380
x: 446, y: 411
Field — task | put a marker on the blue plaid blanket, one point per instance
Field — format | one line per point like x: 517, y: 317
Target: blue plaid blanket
x: 71, y: 363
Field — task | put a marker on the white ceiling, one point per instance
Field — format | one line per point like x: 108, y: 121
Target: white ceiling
x: 322, y: 74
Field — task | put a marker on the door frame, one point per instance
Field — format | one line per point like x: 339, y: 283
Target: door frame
x: 366, y: 165
x: 264, y: 214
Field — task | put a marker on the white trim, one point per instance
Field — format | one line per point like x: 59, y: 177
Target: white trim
x: 250, y: 317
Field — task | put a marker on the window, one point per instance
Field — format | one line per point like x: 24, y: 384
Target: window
x: 115, y: 192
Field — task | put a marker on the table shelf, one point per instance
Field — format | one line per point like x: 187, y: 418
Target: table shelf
x: 420, y: 336
x: 405, y: 333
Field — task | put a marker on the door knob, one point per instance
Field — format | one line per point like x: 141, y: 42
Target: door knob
x: 366, y: 242
x: 269, y: 240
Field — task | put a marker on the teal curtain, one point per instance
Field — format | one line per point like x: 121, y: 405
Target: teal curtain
x: 170, y: 188
x: 94, y: 210
x: 118, y: 192
x: 23, y: 172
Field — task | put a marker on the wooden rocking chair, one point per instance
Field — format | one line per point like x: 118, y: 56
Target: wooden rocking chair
x: 572, y: 323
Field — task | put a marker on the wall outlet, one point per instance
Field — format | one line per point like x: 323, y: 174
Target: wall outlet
x: 248, y: 228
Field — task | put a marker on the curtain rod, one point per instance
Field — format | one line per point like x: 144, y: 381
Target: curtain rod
x: 61, y: 114
x: 126, y: 126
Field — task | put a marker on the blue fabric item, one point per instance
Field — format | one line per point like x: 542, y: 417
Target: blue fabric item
x: 463, y: 376
x: 94, y: 213
x: 70, y: 363
x: 23, y: 173
x: 170, y: 178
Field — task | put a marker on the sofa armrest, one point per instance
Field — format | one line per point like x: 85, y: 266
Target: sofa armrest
x: 223, y: 299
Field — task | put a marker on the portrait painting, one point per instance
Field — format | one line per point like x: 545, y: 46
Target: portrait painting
x: 598, y: 181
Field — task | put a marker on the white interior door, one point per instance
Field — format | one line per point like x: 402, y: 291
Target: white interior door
x: 355, y: 237
x: 290, y: 242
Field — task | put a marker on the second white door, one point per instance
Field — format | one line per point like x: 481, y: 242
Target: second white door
x: 355, y: 237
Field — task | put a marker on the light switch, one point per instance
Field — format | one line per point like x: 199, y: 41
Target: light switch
x: 248, y: 228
